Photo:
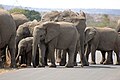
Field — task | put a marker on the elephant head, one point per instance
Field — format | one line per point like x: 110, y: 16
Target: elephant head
x: 44, y: 32
x: 26, y: 30
x: 90, y: 32
x: 21, y: 49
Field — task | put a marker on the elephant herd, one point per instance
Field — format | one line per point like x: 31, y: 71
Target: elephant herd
x: 35, y: 43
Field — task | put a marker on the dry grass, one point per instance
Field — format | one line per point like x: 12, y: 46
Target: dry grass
x: 5, y: 70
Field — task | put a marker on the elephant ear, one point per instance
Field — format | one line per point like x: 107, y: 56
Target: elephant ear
x: 52, y: 30
x: 89, y: 34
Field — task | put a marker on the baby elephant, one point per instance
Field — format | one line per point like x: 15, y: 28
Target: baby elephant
x: 25, y: 51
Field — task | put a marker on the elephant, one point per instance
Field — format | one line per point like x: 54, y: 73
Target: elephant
x: 57, y: 35
x: 19, y: 19
x: 78, y: 19
x: 50, y: 16
x: 103, y: 39
x: 25, y: 30
x: 8, y: 34
x: 25, y: 51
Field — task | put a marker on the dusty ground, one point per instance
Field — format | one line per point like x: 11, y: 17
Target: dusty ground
x: 5, y: 70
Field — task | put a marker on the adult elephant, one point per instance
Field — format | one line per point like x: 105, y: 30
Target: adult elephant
x: 19, y: 19
x: 58, y: 35
x: 7, y: 34
x: 103, y: 39
x: 79, y: 20
x: 23, y: 31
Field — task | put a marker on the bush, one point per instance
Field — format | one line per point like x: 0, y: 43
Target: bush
x: 30, y: 14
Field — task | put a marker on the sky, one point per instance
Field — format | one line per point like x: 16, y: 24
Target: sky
x: 66, y: 4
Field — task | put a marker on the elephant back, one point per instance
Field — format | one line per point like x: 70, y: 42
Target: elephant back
x: 19, y: 19
x: 7, y: 26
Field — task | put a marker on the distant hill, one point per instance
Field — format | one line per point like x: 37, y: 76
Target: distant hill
x: 90, y: 11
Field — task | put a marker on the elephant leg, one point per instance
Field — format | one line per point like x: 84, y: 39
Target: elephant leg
x: 58, y: 55
x: 93, y: 50
x: 46, y: 57
x: 75, y: 57
x: 51, y: 50
x: 109, y: 59
x: 23, y: 59
x: 87, y: 51
x: 63, y: 58
x: 103, y: 57
x: 3, y: 57
x: 42, y: 55
x: 37, y: 58
x: 1, y: 62
x: 11, y: 47
x: 29, y: 58
x: 70, y: 63
x: 84, y: 61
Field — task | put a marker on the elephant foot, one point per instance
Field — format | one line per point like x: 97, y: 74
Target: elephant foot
x: 107, y: 62
x: 62, y: 63
x: 101, y: 62
x: 52, y: 66
x: 117, y: 63
x: 13, y: 66
x: 40, y: 66
x: 84, y: 64
x: 46, y: 64
x: 69, y: 65
x: 34, y: 66
x: 75, y: 63
x: 1, y: 64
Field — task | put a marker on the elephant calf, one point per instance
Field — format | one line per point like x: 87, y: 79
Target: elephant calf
x: 25, y: 50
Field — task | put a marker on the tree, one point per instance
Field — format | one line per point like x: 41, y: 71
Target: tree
x: 30, y: 14
x: 106, y: 20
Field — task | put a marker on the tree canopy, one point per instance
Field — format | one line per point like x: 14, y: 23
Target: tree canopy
x: 30, y: 14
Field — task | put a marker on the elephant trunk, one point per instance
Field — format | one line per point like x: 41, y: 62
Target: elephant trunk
x: 0, y: 39
x: 20, y: 50
x: 36, y: 40
x: 18, y: 38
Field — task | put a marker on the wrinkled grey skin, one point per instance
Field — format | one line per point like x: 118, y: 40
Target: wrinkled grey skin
x: 19, y: 19
x: 78, y: 19
x: 25, y: 30
x: 25, y: 50
x: 103, y: 39
x: 58, y: 35
x: 7, y: 34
